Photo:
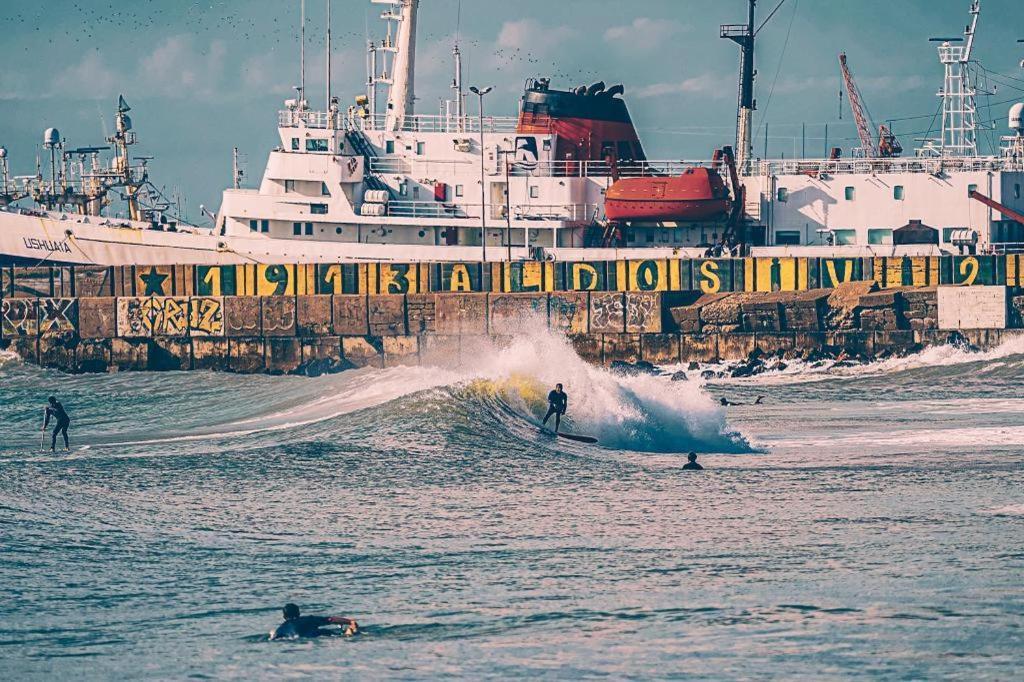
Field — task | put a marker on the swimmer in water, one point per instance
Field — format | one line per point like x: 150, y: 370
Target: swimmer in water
x: 725, y: 402
x: 692, y: 464
x: 558, y: 403
x: 296, y: 625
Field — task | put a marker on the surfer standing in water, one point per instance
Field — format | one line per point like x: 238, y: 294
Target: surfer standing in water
x: 558, y: 403
x: 56, y: 410
x: 692, y: 464
x: 296, y: 625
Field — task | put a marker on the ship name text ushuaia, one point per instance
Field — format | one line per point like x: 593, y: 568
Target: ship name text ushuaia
x: 567, y: 178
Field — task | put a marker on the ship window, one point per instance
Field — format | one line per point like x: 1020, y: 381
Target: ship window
x: 421, y: 148
x: 309, y: 229
x: 650, y: 237
x: 295, y: 144
x: 851, y: 193
x: 845, y: 237
x: 423, y: 234
x: 317, y: 145
x: 297, y: 229
x: 664, y: 236
x: 897, y: 192
x: 534, y: 192
x: 403, y: 189
x: 971, y: 188
x: 787, y: 238
x: 289, y: 186
x: 416, y: 192
x: 253, y: 225
x: 337, y: 230
x: 264, y: 226
x: 459, y: 190
x: 324, y: 192
x: 1016, y: 190
x: 880, y: 236
x: 389, y: 147
x: 547, y: 144
x: 318, y: 209
x: 782, y: 194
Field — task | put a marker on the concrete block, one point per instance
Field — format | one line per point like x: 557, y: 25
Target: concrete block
x: 322, y: 355
x: 284, y: 355
x: 643, y: 313
x: 590, y: 347
x: 401, y: 351
x: 210, y: 354
x: 33, y: 282
x: 420, y: 313
x: 278, y: 316
x: 386, y: 315
x: 513, y: 313
x: 363, y: 351
x: 246, y: 355
x: 895, y: 342
x: 621, y: 347
x: 660, y: 349
x: 93, y: 281
x: 607, y: 313
x: 462, y: 314
x: 93, y: 355
x: 169, y: 354
x: 698, y: 348
x: 761, y: 316
x: 129, y: 354
x: 57, y: 316
x: 19, y: 318
x: 206, y: 316
x: 686, y: 319
x: 169, y: 315
x: 313, y: 316
x: 58, y: 352
x: 736, y: 346
x: 770, y: 343
x: 242, y: 316
x: 974, y: 307
x: 857, y: 343
x: 880, y: 319
x: 351, y: 316
x: 569, y: 312
x: 134, y: 318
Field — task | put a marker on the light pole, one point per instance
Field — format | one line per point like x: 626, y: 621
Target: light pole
x: 508, y: 200
x: 483, y: 189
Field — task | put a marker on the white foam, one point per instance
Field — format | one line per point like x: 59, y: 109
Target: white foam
x: 1008, y: 510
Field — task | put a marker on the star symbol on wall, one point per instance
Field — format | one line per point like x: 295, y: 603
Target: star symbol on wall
x: 154, y: 282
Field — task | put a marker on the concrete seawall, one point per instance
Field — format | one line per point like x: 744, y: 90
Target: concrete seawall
x: 183, y: 317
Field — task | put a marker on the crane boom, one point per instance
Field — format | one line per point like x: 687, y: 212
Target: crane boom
x: 853, y: 94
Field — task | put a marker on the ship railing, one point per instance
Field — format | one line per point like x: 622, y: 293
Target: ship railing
x: 495, y: 212
x: 933, y: 165
x: 428, y: 123
x: 520, y: 168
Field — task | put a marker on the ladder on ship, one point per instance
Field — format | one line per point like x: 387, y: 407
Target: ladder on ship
x: 362, y: 146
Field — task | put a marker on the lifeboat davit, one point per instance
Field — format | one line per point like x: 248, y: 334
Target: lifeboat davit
x: 699, y: 194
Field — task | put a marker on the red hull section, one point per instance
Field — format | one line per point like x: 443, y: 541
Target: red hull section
x: 698, y: 194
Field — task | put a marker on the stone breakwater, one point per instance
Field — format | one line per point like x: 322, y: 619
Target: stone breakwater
x: 285, y: 319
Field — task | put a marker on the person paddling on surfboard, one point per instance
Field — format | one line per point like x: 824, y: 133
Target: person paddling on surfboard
x: 558, y: 403
x: 296, y: 625
x: 56, y: 410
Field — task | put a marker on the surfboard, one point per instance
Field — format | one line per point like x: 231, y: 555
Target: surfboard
x: 578, y: 439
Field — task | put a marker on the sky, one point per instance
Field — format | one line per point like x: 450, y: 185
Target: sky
x: 204, y: 77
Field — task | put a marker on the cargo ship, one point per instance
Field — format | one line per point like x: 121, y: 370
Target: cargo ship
x: 567, y: 178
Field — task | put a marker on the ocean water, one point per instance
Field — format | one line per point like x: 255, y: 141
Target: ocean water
x: 863, y: 522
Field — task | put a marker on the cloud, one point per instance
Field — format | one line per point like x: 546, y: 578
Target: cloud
x: 90, y: 78
x: 530, y: 32
x: 178, y: 68
x: 709, y: 84
x: 643, y: 34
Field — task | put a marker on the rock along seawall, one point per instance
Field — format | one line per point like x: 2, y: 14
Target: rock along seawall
x: 314, y: 319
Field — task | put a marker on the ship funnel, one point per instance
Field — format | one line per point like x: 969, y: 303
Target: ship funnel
x: 51, y: 138
x: 595, y: 89
x: 616, y: 90
x: 1017, y: 118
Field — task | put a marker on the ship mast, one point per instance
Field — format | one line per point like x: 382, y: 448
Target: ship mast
x: 959, y: 107
x: 402, y: 91
x: 743, y: 35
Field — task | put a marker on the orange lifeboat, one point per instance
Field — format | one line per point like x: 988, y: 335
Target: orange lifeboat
x: 699, y: 194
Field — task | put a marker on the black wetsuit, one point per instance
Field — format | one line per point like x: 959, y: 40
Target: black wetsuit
x: 693, y: 466
x: 303, y: 626
x: 56, y: 410
x: 557, y: 405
